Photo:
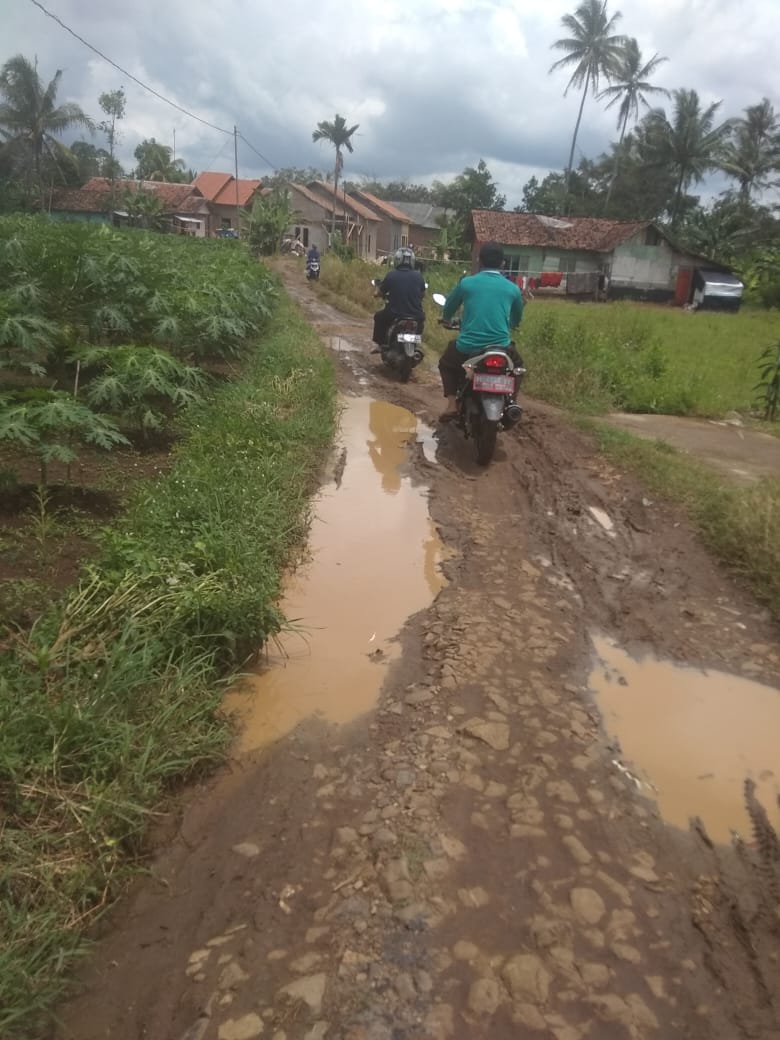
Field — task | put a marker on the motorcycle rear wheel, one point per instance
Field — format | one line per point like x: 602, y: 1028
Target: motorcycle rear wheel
x: 485, y: 435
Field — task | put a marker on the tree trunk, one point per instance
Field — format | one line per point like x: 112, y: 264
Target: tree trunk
x: 335, y: 194
x: 617, y: 164
x: 574, y: 140
x: 677, y: 198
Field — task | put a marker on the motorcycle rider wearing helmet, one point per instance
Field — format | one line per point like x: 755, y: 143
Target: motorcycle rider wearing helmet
x: 492, y: 307
x: 404, y: 289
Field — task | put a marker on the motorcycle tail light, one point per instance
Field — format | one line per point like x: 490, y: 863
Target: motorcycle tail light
x: 495, y: 362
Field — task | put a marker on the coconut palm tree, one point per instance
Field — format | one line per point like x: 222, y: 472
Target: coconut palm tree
x: 591, y: 51
x: 340, y: 136
x: 30, y: 117
x: 752, y: 154
x: 689, y: 143
x: 630, y: 87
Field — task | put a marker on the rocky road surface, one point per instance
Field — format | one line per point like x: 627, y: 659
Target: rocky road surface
x: 468, y: 861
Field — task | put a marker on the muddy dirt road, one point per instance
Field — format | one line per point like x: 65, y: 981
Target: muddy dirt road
x: 478, y: 856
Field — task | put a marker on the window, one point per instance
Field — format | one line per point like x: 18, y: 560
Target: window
x: 306, y: 237
x: 567, y: 264
x: 652, y: 236
x: 404, y: 240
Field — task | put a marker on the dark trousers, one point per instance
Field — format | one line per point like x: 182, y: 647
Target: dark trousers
x: 451, y: 367
x: 384, y: 319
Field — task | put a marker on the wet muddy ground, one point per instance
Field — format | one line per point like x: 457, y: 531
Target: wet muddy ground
x: 518, y: 840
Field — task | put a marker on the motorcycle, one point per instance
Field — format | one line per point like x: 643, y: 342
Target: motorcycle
x: 402, y: 350
x: 313, y: 270
x: 486, y: 398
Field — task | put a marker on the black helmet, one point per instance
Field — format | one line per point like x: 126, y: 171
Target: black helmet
x: 404, y: 257
x: 491, y: 256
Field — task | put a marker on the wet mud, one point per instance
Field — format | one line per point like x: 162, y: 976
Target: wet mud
x: 474, y: 857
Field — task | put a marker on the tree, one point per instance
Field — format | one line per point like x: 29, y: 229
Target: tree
x: 94, y: 162
x: 113, y: 104
x: 268, y: 220
x: 592, y: 51
x: 144, y: 209
x: 156, y: 162
x: 472, y: 189
x: 30, y: 119
x: 340, y: 136
x: 689, y: 143
x: 752, y: 153
x: 630, y: 87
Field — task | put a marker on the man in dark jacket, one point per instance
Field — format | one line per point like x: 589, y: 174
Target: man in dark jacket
x: 404, y: 289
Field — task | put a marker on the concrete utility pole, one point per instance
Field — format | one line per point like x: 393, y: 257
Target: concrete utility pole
x: 238, y: 204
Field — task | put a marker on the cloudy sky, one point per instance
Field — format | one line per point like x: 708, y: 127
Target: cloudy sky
x: 434, y: 84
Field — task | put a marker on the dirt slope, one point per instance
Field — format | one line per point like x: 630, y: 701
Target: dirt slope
x: 468, y: 861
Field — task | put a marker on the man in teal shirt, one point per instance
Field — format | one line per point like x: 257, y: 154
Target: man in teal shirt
x: 492, y: 307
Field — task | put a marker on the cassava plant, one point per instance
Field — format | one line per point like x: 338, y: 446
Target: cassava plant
x: 140, y: 384
x: 49, y: 429
x: 768, y: 386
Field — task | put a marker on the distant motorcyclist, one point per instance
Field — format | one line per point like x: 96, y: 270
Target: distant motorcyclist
x: 403, y: 289
x: 313, y: 256
x: 492, y: 307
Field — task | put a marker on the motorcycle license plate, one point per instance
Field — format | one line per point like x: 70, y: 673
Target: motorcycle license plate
x: 409, y: 337
x: 493, y: 384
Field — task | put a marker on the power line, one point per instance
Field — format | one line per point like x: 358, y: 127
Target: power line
x: 129, y: 75
x: 151, y: 90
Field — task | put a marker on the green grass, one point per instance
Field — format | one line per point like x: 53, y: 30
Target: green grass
x: 596, y: 358
x: 740, y: 525
x: 114, y: 695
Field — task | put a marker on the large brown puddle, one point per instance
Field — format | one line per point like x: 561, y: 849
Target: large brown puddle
x: 692, y: 737
x: 374, y: 561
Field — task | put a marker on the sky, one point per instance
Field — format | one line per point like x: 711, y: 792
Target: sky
x: 435, y: 85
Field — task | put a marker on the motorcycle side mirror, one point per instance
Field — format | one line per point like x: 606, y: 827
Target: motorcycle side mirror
x: 439, y: 299
x: 375, y: 282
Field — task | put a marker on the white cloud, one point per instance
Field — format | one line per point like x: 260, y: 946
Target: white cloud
x: 435, y: 84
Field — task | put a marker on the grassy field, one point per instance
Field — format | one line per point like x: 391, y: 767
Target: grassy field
x: 596, y: 358
x: 113, y: 696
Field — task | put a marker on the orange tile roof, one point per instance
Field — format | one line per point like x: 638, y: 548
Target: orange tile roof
x: 529, y: 229
x: 384, y: 207
x: 246, y: 189
x: 211, y: 184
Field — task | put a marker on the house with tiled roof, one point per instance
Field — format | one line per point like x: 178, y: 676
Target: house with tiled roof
x: 224, y: 194
x: 589, y: 256
x: 357, y: 223
x: 393, y: 229
x: 183, y: 204
x: 424, y: 223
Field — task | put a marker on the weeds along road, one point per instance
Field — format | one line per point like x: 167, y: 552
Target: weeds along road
x: 471, y: 859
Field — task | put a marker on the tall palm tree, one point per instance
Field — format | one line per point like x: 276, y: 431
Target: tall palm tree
x: 340, y: 136
x: 689, y: 143
x: 630, y: 87
x: 30, y: 117
x: 591, y: 51
x: 752, y: 154
x: 156, y: 162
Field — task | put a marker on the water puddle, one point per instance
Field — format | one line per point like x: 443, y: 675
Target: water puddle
x: 341, y: 345
x: 691, y: 738
x: 374, y: 560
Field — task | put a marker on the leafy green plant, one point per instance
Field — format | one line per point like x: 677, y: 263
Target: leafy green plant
x: 769, y: 383
x: 49, y: 429
x: 140, y: 383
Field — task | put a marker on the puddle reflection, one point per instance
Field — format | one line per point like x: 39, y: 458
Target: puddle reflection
x: 375, y: 559
x: 694, y: 736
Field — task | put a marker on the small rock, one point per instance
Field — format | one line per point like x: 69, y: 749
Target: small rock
x: 593, y: 974
x: 473, y: 897
x: 317, y: 1031
x: 529, y: 1016
x: 527, y: 978
x: 245, y: 1028
x: 309, y: 989
x: 588, y: 905
x: 439, y: 1023
x: 305, y: 964
x: 247, y: 849
x: 494, y: 734
x: 347, y: 835
x: 232, y: 976
x: 465, y: 951
x: 485, y: 996
x: 577, y: 849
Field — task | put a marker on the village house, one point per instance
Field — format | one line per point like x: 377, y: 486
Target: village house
x: 393, y: 230
x: 224, y: 193
x: 357, y: 224
x: 183, y: 204
x: 424, y: 226
x: 589, y: 256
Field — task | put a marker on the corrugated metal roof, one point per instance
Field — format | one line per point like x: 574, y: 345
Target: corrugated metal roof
x: 423, y: 214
